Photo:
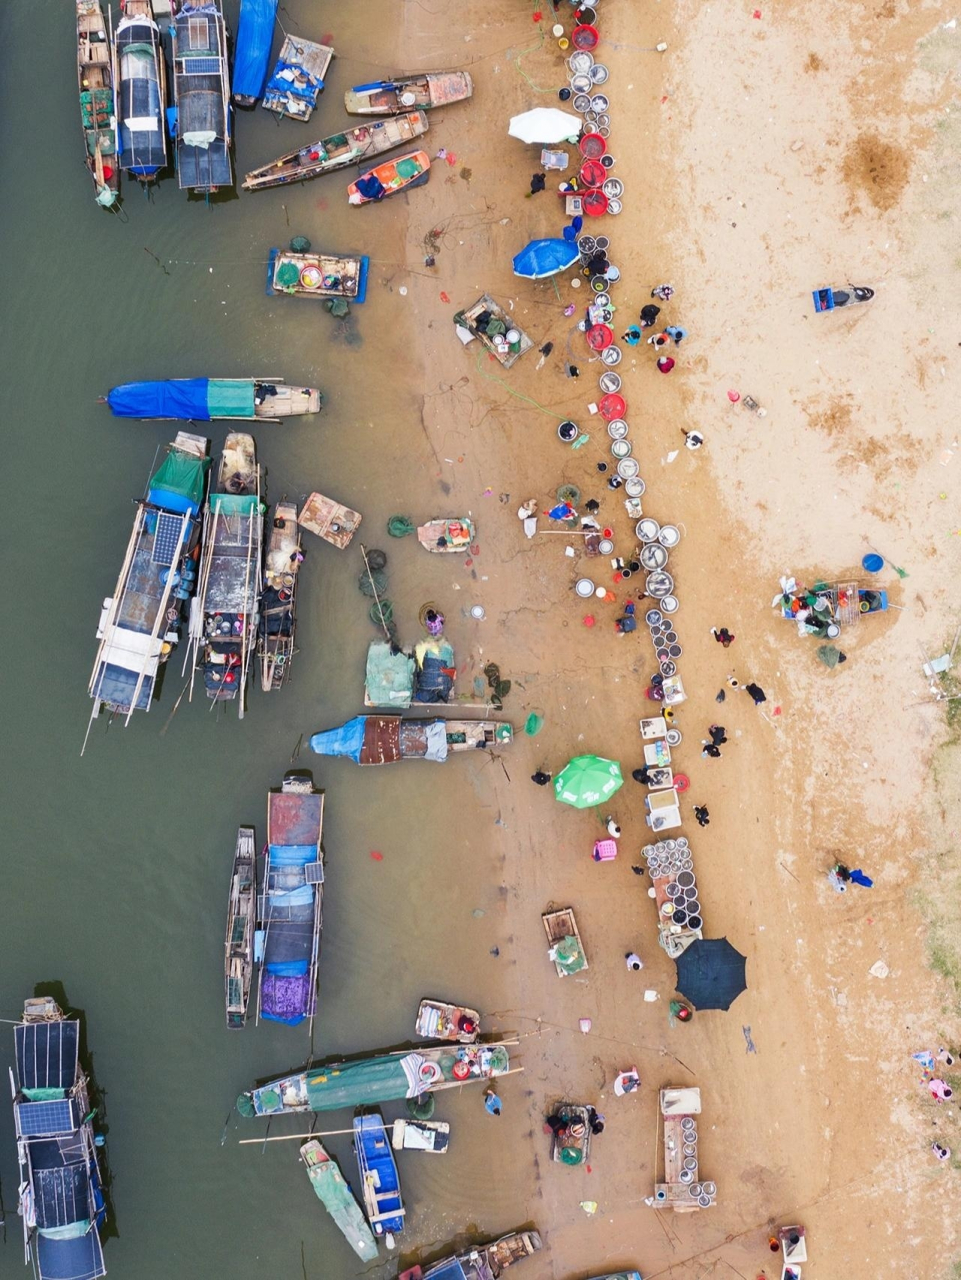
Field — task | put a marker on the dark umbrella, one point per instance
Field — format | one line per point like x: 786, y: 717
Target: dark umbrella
x: 710, y: 973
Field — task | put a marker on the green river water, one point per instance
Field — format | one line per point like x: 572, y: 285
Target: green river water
x: 116, y: 865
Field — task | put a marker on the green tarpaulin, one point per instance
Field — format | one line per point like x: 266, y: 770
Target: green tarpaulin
x: 235, y: 504
x: 390, y: 676
x: 357, y: 1084
x: 227, y: 399
x: 408, y: 168
x: 180, y: 473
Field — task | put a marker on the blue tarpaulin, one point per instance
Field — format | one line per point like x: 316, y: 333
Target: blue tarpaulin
x: 255, y: 34
x: 545, y: 258
x: 178, y: 398
x: 347, y: 740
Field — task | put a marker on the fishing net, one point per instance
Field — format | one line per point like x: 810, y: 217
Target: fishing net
x: 400, y: 526
x: 381, y: 613
x: 571, y: 1155
x: 300, y: 244
x: 287, y: 275
x: 374, y: 583
x: 377, y: 559
x: 533, y: 724
x: 338, y: 307
x: 245, y: 1105
x: 421, y: 1108
x: 498, y: 1060
x: 569, y: 493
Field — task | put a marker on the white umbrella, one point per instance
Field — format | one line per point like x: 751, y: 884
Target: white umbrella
x: 545, y: 124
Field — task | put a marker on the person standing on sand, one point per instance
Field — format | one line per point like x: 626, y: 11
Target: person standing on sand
x: 658, y: 339
x: 702, y: 815
x: 642, y: 775
x: 663, y: 291
x: 677, y: 333
x: 757, y: 693
x: 541, y: 777
x: 649, y: 315
x: 665, y: 363
x: 631, y: 336
x: 634, y: 962
x: 613, y: 830
x: 723, y: 636
x: 711, y: 749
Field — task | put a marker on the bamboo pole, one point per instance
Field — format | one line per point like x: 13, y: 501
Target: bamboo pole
x: 370, y: 575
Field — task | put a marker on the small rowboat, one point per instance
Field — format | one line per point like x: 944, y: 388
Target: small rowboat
x: 409, y: 93
x: 439, y: 1021
x: 446, y: 535
x: 386, y: 179
x: 317, y: 275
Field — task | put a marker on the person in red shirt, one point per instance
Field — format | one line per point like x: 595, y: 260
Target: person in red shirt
x: 665, y: 363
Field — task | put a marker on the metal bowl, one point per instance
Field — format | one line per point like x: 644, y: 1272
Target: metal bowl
x: 581, y: 83
x: 670, y: 604
x: 621, y: 448
x: 581, y: 102
x: 602, y: 299
x: 627, y: 468
x: 599, y: 73
x: 590, y: 119
x: 605, y: 547
x: 652, y: 617
x: 604, y: 120
x: 608, y: 161
x: 634, y: 488
x: 673, y: 737
x: 613, y: 187
x: 603, y: 130
x: 584, y: 588
x: 653, y: 556
x: 612, y: 274
x: 611, y: 355
x: 586, y: 245
x: 617, y: 429
x: 647, y: 529
x: 603, y: 243
x: 580, y: 62
x: 599, y: 103
x: 669, y: 536
x: 614, y: 207
x: 609, y: 382
x: 659, y: 584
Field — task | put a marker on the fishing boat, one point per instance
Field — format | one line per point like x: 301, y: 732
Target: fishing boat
x: 351, y: 146
x: 140, y: 623
x: 388, y: 1077
x: 317, y: 275
x: 297, y: 77
x: 383, y: 180
x: 61, y: 1189
x: 201, y: 98
x: 241, y: 916
x: 437, y: 1020
x: 329, y: 520
x: 223, y: 615
x: 379, y: 1179
x: 483, y: 1262
x: 290, y: 903
x: 386, y: 739
x: 495, y: 328
x: 572, y: 1144
x: 335, y: 1195
x: 389, y: 678
x: 564, y: 946
x: 407, y: 93
x: 432, y: 1136
x: 209, y: 399
x: 452, y: 534
x: 275, y: 642
x: 255, y: 34
x: 140, y: 74
x: 98, y: 108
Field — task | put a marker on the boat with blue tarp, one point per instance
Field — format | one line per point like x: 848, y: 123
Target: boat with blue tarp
x: 380, y: 1181
x: 201, y: 120
x: 385, y: 739
x: 290, y: 903
x: 140, y: 73
x: 333, y: 1192
x: 317, y: 275
x: 255, y: 34
x: 98, y: 107
x: 408, y: 93
x: 224, y: 613
x: 350, y: 146
x: 61, y: 1188
x: 386, y: 1077
x: 298, y: 77
x: 206, y: 399
x: 483, y: 1262
x: 140, y: 623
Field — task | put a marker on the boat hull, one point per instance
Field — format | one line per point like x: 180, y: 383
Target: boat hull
x: 98, y: 106
x: 390, y: 178
x: 423, y: 93
x: 332, y: 1191
x: 317, y: 275
x: 339, y: 151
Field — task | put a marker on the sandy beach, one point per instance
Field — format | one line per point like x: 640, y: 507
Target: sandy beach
x: 764, y: 154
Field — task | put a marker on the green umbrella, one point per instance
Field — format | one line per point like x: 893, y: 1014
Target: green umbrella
x: 588, y: 780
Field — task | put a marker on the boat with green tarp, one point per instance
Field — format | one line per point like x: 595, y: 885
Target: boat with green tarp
x: 389, y: 680
x: 204, y: 399
x: 98, y: 107
x: 387, y: 1077
x: 335, y: 1195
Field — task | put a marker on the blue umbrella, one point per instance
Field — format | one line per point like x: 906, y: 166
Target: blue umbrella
x: 710, y: 973
x: 545, y: 258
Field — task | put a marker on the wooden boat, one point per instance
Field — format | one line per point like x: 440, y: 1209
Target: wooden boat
x: 379, y: 1179
x: 98, y: 108
x: 439, y: 1021
x: 421, y: 1135
x: 290, y: 903
x: 329, y: 520
x: 201, y: 98
x: 255, y: 35
x: 385, y: 1077
x: 573, y: 1145
x: 297, y: 78
x: 450, y: 534
x: 474, y: 321
x: 383, y: 180
x: 484, y: 1262
x: 140, y: 623
x: 408, y: 93
x: 213, y: 399
x: 335, y: 1195
x: 61, y: 1189
x: 387, y: 739
x: 223, y: 618
x: 317, y: 275
x: 239, y: 944
x: 564, y: 942
x: 351, y: 146
x: 275, y: 642
x: 140, y: 74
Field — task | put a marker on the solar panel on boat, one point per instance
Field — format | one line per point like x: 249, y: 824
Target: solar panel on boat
x: 166, y: 539
x: 45, y: 1119
x: 201, y: 66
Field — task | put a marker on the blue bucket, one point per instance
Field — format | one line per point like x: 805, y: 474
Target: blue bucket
x: 872, y: 563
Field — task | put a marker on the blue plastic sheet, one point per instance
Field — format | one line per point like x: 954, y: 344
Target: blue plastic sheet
x: 255, y: 34
x: 181, y: 398
x: 545, y: 258
x: 346, y: 740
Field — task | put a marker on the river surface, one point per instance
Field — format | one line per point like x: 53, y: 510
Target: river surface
x: 116, y: 864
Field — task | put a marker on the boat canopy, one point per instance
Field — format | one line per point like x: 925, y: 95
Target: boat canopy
x: 255, y: 34
x: 346, y: 740
x: 381, y: 740
x: 197, y: 399
x: 390, y: 676
x: 178, y: 483
x: 357, y: 1084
